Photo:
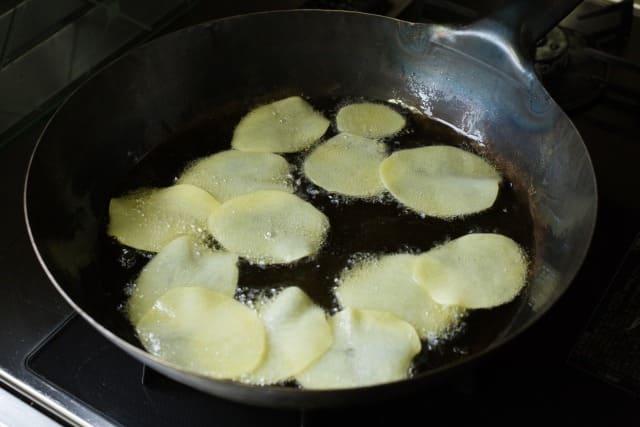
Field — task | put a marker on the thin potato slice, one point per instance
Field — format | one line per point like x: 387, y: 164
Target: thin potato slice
x: 347, y: 164
x: 182, y: 262
x: 369, y: 347
x: 478, y: 270
x: 297, y: 334
x: 284, y: 126
x: 231, y: 173
x: 440, y: 181
x: 369, y: 120
x: 269, y: 227
x: 204, y: 331
x: 387, y: 284
x: 149, y: 219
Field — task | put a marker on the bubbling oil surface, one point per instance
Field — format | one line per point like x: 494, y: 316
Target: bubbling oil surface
x: 358, y: 228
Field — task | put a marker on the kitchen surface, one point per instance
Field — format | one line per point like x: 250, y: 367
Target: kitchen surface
x: 579, y: 364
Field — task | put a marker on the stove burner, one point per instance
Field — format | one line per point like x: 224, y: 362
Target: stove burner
x: 568, y: 60
x: 569, y: 73
x: 552, y: 53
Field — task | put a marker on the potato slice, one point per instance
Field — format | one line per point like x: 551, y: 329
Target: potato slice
x: 270, y: 227
x: 182, y: 262
x: 480, y: 270
x: 297, y: 334
x: 440, y: 181
x: 284, y: 126
x: 149, y: 219
x: 369, y: 120
x: 203, y: 331
x: 347, y: 164
x: 231, y: 173
x: 387, y: 284
x: 369, y: 347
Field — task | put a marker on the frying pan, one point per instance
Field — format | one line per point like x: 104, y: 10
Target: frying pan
x: 478, y: 78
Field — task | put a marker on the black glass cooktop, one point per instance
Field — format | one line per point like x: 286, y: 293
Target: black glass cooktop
x: 528, y: 376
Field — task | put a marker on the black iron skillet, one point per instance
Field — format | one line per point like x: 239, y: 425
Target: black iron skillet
x: 478, y: 78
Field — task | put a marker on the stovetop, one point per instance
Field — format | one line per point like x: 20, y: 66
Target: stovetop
x: 580, y: 364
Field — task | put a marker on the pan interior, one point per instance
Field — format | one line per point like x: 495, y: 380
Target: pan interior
x: 359, y: 227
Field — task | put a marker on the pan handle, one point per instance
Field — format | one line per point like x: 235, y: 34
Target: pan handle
x: 524, y: 22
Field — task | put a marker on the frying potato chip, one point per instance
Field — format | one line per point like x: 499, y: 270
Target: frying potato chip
x: 369, y: 347
x: 347, y: 164
x: 149, y: 219
x: 369, y: 120
x: 387, y: 284
x: 478, y: 270
x: 231, y: 173
x: 203, y: 331
x: 270, y: 227
x: 297, y: 334
x: 284, y: 126
x: 440, y: 181
x: 182, y: 262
